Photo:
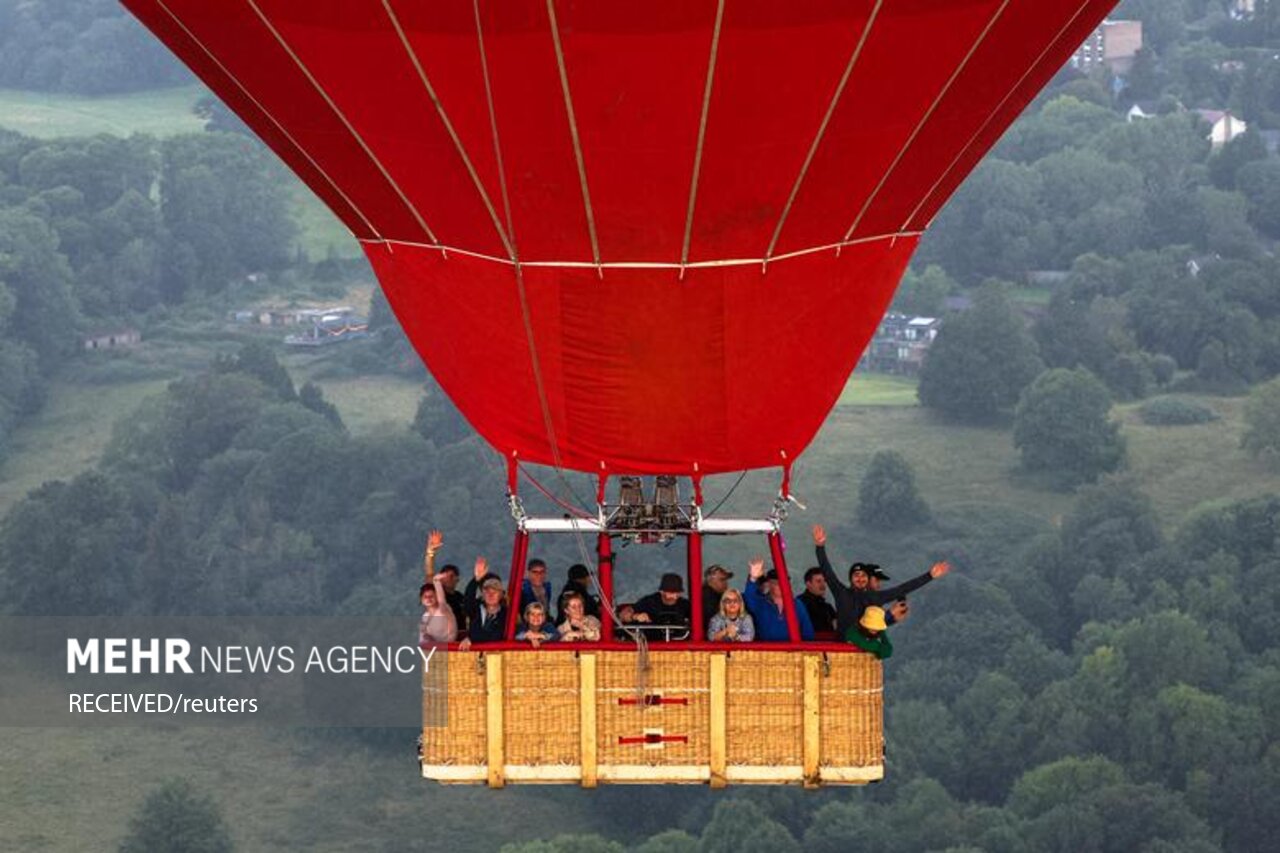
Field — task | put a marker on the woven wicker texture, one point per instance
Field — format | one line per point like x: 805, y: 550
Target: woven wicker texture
x: 852, y: 712
x: 658, y: 717
x: 463, y: 740
x: 540, y: 708
x: 765, y: 708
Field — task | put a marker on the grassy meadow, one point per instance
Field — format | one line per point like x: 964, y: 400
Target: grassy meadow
x: 47, y: 115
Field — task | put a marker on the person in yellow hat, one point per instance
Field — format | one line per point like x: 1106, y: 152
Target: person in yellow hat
x: 871, y: 633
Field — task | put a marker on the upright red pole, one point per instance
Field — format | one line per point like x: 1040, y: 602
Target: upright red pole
x: 695, y: 582
x: 784, y: 581
x: 519, y: 553
x: 604, y: 571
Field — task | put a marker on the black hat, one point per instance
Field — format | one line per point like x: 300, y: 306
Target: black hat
x: 865, y: 568
x: 771, y: 575
x: 671, y: 582
x: 875, y: 572
x: 578, y: 572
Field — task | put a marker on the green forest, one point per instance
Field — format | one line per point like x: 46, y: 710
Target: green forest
x: 1096, y: 451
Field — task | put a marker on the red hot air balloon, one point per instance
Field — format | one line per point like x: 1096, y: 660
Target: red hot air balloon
x: 632, y: 237
x: 637, y: 238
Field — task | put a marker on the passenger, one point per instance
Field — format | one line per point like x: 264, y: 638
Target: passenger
x: 622, y: 628
x: 579, y: 582
x: 767, y: 606
x: 713, y: 586
x: 814, y: 600
x: 851, y: 600
x: 448, y: 575
x: 536, y: 630
x: 486, y: 607
x: 437, y: 624
x: 871, y: 634
x: 536, y: 587
x: 578, y: 626
x: 666, y: 607
x: 732, y: 623
x: 448, y: 579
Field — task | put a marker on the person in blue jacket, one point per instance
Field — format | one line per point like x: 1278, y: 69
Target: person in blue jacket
x: 767, y: 606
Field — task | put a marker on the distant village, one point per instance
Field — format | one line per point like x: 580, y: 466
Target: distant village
x: 316, y: 327
x: 311, y: 327
x: 1115, y: 45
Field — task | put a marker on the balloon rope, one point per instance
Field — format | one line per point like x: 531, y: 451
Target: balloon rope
x: 355, y: 135
x: 658, y: 265
x: 702, y: 136
x: 866, y: 204
x: 822, y: 129
x: 573, y: 133
x: 994, y: 112
x: 448, y: 125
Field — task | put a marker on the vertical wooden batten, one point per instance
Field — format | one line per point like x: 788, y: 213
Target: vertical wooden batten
x: 717, y: 732
x: 812, y: 720
x: 495, y: 751
x: 587, y: 702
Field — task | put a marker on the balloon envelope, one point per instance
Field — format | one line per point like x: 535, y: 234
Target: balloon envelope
x: 633, y: 237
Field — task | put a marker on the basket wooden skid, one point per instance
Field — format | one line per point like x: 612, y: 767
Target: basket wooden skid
x: 592, y: 716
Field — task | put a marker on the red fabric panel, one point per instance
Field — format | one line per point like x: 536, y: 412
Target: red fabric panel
x: 1073, y: 27
x: 638, y: 110
x: 171, y: 33
x: 361, y: 64
x: 249, y: 51
x: 443, y: 36
x: 914, y: 46
x: 774, y: 82
x: 988, y: 80
x: 738, y: 365
x: 533, y: 126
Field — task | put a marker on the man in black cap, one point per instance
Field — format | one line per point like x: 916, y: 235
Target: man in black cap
x: 667, y: 606
x: 580, y: 582
x: 851, y: 600
x: 713, y: 586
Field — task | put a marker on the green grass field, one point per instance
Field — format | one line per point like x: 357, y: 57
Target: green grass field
x: 878, y: 389
x: 44, y: 115
x: 75, y: 790
x: 320, y: 232
x: 68, y: 435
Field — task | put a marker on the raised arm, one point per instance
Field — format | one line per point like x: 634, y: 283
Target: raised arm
x: 434, y: 540
x: 752, y: 597
x: 820, y: 545
x: 936, y: 571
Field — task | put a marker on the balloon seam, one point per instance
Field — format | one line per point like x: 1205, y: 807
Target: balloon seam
x: 955, y: 75
x: 822, y: 129
x: 343, y: 118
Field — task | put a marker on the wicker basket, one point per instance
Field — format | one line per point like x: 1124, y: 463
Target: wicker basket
x: 613, y: 715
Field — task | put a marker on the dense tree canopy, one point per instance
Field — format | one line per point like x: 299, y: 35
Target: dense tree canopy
x: 888, y: 497
x: 1062, y: 427
x: 980, y: 362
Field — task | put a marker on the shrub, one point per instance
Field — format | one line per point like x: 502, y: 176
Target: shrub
x: 1172, y: 411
